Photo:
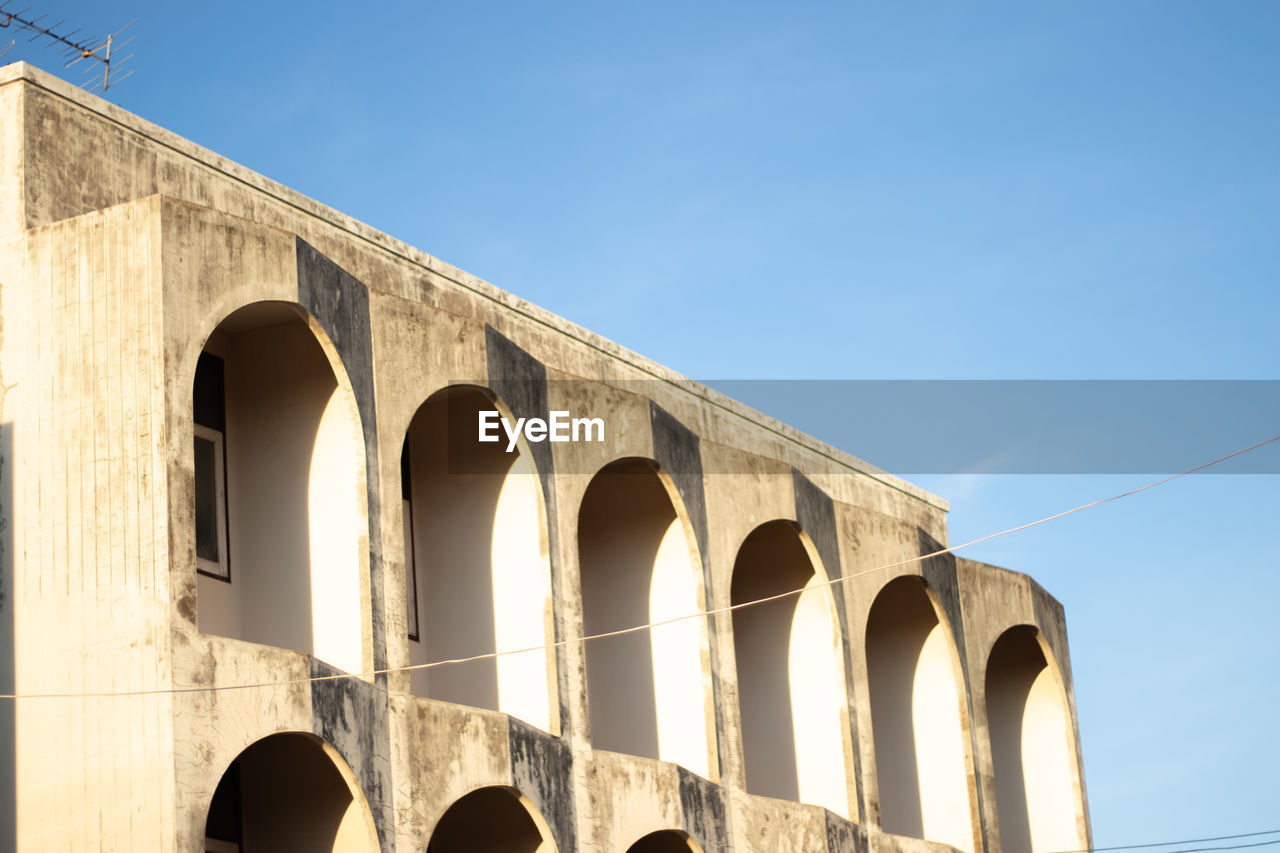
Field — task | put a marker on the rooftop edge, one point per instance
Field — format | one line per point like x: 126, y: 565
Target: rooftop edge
x: 16, y: 72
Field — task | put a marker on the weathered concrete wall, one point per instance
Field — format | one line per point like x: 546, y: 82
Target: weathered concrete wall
x: 12, y: 351
x: 994, y: 601
x: 124, y: 248
x: 92, y: 582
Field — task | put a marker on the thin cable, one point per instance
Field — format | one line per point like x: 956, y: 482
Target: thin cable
x: 1229, y: 847
x: 1185, y: 841
x: 645, y: 627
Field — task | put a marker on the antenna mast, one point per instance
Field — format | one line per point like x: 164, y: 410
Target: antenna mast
x: 102, y: 52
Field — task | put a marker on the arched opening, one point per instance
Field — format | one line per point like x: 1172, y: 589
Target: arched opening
x: 492, y: 820
x: 647, y: 690
x: 790, y: 677
x: 666, y: 841
x: 477, y: 564
x: 921, y: 764
x: 1031, y: 748
x: 280, y: 502
x: 289, y: 792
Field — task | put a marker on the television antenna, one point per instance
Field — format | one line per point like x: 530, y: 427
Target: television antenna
x: 102, y: 52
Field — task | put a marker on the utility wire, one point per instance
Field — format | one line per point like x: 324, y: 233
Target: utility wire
x: 830, y: 582
x: 1180, y: 841
x: 1190, y: 841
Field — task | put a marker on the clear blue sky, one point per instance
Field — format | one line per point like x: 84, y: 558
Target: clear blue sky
x: 873, y: 190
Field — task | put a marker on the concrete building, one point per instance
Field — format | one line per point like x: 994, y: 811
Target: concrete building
x: 242, y: 493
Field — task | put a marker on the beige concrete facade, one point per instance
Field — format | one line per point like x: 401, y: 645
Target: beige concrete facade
x: 923, y: 707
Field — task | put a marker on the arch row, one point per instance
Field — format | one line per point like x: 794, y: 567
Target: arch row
x: 281, y: 518
x: 293, y: 792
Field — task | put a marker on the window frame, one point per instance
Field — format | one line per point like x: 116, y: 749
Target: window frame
x: 412, y: 616
x: 218, y: 569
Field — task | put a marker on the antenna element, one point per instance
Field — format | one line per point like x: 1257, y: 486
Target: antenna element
x: 103, y: 52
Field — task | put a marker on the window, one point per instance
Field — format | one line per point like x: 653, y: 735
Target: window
x: 647, y: 691
x: 212, y: 557
x: 290, y: 793
x: 281, y: 506
x: 480, y: 578
x: 1029, y: 722
x: 496, y: 818
x: 791, y: 689
x: 919, y: 728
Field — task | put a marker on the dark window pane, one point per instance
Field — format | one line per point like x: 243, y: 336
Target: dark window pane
x: 410, y: 572
x: 206, y: 500
x: 210, y: 406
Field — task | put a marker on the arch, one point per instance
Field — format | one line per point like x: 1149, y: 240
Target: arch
x: 497, y: 819
x: 478, y: 566
x: 647, y: 691
x: 917, y: 717
x: 666, y: 841
x: 289, y: 792
x: 791, y: 687
x: 281, y: 505
x: 1032, y: 747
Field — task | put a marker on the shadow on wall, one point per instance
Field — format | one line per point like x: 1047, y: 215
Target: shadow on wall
x: 1036, y: 806
x: 918, y: 733
x: 492, y: 820
x: 280, y: 509
x: 477, y: 563
x: 666, y: 841
x: 289, y: 793
x: 790, y: 678
x: 647, y: 690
